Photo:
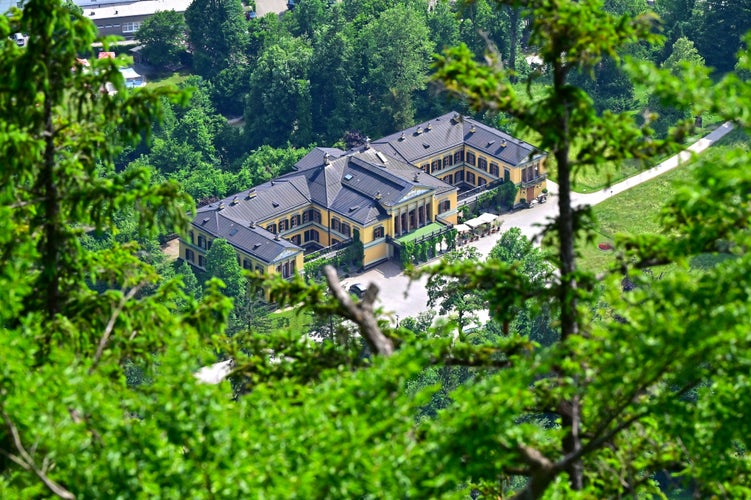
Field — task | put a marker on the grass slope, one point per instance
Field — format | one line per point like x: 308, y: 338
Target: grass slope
x: 636, y: 211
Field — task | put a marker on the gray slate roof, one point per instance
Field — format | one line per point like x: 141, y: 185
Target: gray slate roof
x: 253, y: 240
x: 450, y: 131
x: 357, y: 185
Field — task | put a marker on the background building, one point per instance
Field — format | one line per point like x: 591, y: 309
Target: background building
x: 124, y: 18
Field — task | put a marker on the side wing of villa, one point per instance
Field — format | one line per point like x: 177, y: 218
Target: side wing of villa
x: 378, y: 193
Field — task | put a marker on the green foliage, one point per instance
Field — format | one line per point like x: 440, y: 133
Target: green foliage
x: 278, y: 107
x: 217, y: 35
x: 640, y: 381
x: 163, y: 37
x: 451, y: 294
x: 221, y: 262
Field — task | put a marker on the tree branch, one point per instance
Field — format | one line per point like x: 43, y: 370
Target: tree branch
x: 26, y: 461
x: 111, y: 325
x: 361, y: 313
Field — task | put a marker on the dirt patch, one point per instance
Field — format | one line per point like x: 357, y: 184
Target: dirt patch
x: 172, y: 249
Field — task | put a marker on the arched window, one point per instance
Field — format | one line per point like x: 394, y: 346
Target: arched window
x: 294, y: 221
x: 449, y: 179
x: 459, y: 156
x: 283, y: 225
x: 345, y: 229
x: 494, y: 169
x: 470, y: 177
x: 335, y: 224
x: 482, y: 163
x: 271, y: 228
x: 448, y: 161
x: 470, y: 158
x: 436, y: 165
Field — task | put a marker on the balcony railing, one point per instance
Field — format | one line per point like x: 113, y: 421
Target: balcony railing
x: 536, y: 180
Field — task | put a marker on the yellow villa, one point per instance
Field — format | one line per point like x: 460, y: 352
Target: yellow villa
x: 379, y: 192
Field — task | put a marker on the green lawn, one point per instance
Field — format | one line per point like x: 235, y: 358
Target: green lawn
x: 175, y: 79
x: 636, y: 211
x: 292, y: 320
x: 419, y: 233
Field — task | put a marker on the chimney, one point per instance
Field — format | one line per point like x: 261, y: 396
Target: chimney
x: 326, y: 159
x: 235, y: 200
x: 472, y: 130
x: 251, y: 194
x: 402, y: 137
x: 221, y: 205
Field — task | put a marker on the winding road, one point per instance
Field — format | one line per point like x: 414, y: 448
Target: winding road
x: 400, y: 297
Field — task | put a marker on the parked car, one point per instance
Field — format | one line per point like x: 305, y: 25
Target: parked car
x: 19, y: 39
x: 357, y: 290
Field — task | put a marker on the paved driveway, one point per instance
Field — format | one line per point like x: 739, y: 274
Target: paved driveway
x: 401, y: 297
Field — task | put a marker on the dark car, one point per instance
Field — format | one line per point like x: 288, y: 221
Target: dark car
x: 357, y: 290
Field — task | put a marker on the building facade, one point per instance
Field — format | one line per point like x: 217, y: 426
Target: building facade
x: 124, y: 17
x: 377, y: 193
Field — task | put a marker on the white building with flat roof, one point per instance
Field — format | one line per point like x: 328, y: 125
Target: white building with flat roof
x: 123, y: 18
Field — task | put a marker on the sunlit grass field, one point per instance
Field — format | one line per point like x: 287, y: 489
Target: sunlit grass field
x: 637, y: 210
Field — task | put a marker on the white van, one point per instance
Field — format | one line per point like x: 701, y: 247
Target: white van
x: 19, y: 39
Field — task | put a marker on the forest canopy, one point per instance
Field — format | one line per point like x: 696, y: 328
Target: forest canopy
x: 641, y: 392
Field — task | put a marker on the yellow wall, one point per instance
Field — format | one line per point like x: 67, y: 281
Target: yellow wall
x: 375, y: 253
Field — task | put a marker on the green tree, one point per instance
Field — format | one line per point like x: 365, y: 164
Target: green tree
x: 163, y: 37
x: 684, y: 51
x: 395, y: 49
x: 332, y: 81
x: 452, y: 295
x: 218, y: 35
x: 720, y: 27
x: 221, y: 262
x: 278, y: 107
x: 59, y: 137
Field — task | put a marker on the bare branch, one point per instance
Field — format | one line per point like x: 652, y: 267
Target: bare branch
x: 361, y: 313
x: 541, y: 473
x: 26, y: 461
x: 111, y: 324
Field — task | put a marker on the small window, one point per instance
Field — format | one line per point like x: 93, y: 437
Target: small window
x: 378, y: 232
x: 189, y: 256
